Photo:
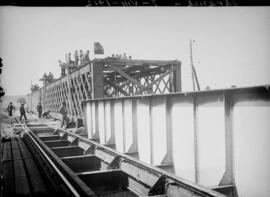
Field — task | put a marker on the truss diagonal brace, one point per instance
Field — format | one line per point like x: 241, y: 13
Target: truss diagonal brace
x: 127, y: 76
x: 116, y: 87
x: 161, y: 76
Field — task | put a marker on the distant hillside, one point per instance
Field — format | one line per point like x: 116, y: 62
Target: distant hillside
x: 7, y: 99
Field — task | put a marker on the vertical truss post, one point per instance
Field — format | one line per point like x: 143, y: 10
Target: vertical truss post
x: 228, y: 177
x: 85, y: 105
x: 168, y: 159
x: 97, y: 80
x: 134, y: 126
x: 151, y: 131
x: 112, y: 117
x: 177, y: 81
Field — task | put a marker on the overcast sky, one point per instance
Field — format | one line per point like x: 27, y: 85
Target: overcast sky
x: 232, y: 44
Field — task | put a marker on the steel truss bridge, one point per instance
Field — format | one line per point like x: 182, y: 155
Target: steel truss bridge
x: 136, y: 108
x: 108, y: 78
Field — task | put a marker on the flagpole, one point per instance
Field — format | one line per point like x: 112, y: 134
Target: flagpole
x: 31, y: 95
x: 191, y: 65
x: 94, y: 49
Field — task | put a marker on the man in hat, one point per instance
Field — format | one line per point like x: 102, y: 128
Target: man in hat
x: 10, y: 109
x: 76, y: 58
x: 63, y: 68
x: 22, y: 111
x: 81, y: 57
x: 86, y: 58
x: 39, y: 110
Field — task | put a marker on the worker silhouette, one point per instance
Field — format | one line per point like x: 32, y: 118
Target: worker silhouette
x: 39, y: 110
x: 63, y: 112
x: 76, y: 58
x: 22, y: 111
x: 81, y: 57
x: 86, y: 58
x: 63, y: 68
x: 10, y: 108
x: 125, y: 56
x: 70, y: 62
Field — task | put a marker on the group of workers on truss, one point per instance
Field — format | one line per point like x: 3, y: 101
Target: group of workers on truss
x: 79, y: 60
x: 119, y: 57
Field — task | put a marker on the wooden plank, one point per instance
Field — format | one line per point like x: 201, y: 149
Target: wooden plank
x: 21, y: 183
x: 8, y: 178
x: 24, y: 150
x: 7, y: 151
x: 34, y: 176
x: 15, y: 150
x: 36, y: 181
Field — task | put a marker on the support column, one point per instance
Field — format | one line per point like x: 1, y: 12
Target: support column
x: 228, y: 178
x: 177, y: 81
x: 167, y: 162
x: 97, y: 80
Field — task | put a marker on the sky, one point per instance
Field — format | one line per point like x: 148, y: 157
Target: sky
x: 231, y: 45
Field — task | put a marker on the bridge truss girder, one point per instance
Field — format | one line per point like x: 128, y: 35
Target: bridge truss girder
x: 110, y: 78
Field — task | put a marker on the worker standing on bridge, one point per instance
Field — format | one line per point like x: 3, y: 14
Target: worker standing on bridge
x: 86, y: 58
x: 39, y: 110
x: 70, y: 62
x: 10, y: 108
x: 63, y: 111
x: 125, y: 56
x: 63, y: 68
x: 76, y: 58
x: 22, y: 111
x: 81, y: 57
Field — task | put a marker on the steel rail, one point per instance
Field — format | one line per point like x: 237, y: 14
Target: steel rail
x: 64, y: 179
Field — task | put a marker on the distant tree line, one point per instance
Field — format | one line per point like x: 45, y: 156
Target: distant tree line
x: 47, y: 78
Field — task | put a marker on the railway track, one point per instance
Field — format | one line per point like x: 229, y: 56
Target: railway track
x: 76, y: 166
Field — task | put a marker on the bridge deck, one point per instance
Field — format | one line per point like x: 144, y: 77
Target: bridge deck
x: 21, y: 175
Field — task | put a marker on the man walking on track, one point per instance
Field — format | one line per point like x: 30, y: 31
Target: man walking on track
x: 22, y: 111
x: 39, y: 109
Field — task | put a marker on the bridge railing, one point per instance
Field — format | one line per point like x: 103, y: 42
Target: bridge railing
x: 208, y: 137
